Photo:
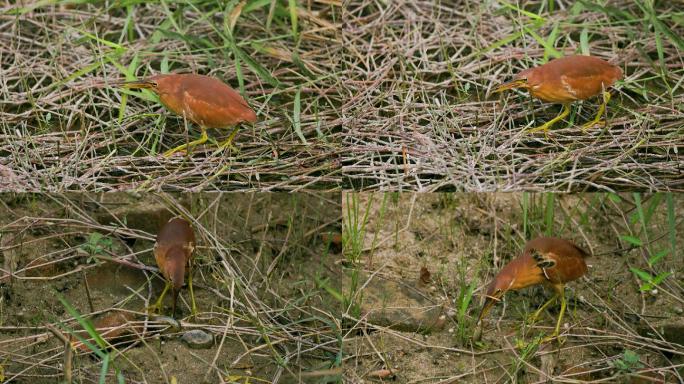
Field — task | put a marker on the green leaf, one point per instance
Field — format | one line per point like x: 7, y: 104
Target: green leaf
x: 632, y: 240
x: 659, y: 279
x: 642, y: 275
x: 645, y: 287
x: 656, y: 258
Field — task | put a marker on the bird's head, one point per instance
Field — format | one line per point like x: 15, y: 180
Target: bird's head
x: 153, y: 83
x: 495, y: 292
x: 521, y: 80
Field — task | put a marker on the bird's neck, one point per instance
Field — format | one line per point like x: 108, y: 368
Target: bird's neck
x: 524, y: 272
x: 175, y: 266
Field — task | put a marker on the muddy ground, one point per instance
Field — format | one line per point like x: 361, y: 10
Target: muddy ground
x: 418, y: 252
x: 259, y: 263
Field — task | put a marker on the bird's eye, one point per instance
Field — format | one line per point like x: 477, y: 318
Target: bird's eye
x: 154, y: 84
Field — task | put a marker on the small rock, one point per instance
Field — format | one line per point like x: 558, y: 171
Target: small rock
x: 197, y: 339
x: 172, y: 324
x: 678, y: 310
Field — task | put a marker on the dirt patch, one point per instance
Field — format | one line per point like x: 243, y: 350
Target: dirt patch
x: 436, y: 246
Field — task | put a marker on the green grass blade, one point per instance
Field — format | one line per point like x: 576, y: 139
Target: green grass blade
x: 297, y: 116
x: 632, y: 240
x: 531, y: 15
x: 103, y: 371
x: 293, y: 19
x: 548, y: 49
x: 526, y: 217
x: 671, y: 223
x: 87, y: 325
x: 584, y: 41
x: 549, y: 214
x: 550, y: 41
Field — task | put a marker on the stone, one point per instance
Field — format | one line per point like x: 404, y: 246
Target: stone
x: 198, y: 339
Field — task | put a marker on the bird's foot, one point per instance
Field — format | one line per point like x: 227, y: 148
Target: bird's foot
x: 555, y: 336
x: 180, y: 148
x: 591, y: 124
x: 228, y: 145
x: 531, y: 319
x: 154, y: 309
x: 542, y: 128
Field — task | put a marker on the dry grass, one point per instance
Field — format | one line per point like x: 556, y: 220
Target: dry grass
x: 62, y: 128
x: 253, y: 277
x: 422, y: 118
x: 613, y: 326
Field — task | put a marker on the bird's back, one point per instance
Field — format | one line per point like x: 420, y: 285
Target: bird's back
x: 571, y: 78
x: 211, y: 103
x: 175, y: 234
x: 565, y: 260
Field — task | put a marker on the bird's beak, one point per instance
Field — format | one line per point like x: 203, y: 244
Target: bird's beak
x: 489, y: 302
x: 175, y: 300
x: 520, y: 83
x: 138, y: 84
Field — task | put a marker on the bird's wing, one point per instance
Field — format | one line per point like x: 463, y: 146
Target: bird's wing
x: 214, y: 93
x: 545, y: 260
x: 214, y: 112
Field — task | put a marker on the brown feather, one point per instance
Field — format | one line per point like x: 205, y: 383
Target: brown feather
x: 570, y: 78
x: 204, y: 100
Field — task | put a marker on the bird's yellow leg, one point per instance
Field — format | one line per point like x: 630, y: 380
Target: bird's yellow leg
x: 556, y: 332
x: 548, y: 124
x: 602, y: 108
x: 229, y: 141
x: 156, y: 308
x: 536, y: 314
x: 192, y: 294
x: 189, y: 145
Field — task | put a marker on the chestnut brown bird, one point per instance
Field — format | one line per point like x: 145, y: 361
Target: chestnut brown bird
x: 173, y: 252
x: 566, y: 80
x: 204, y: 100
x: 545, y: 260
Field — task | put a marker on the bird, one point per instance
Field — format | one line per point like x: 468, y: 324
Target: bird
x: 206, y: 101
x: 566, y: 80
x: 550, y: 261
x: 173, y: 251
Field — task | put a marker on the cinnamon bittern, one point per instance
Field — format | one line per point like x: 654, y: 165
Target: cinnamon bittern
x: 204, y: 100
x: 173, y: 251
x: 565, y: 81
x: 545, y: 260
